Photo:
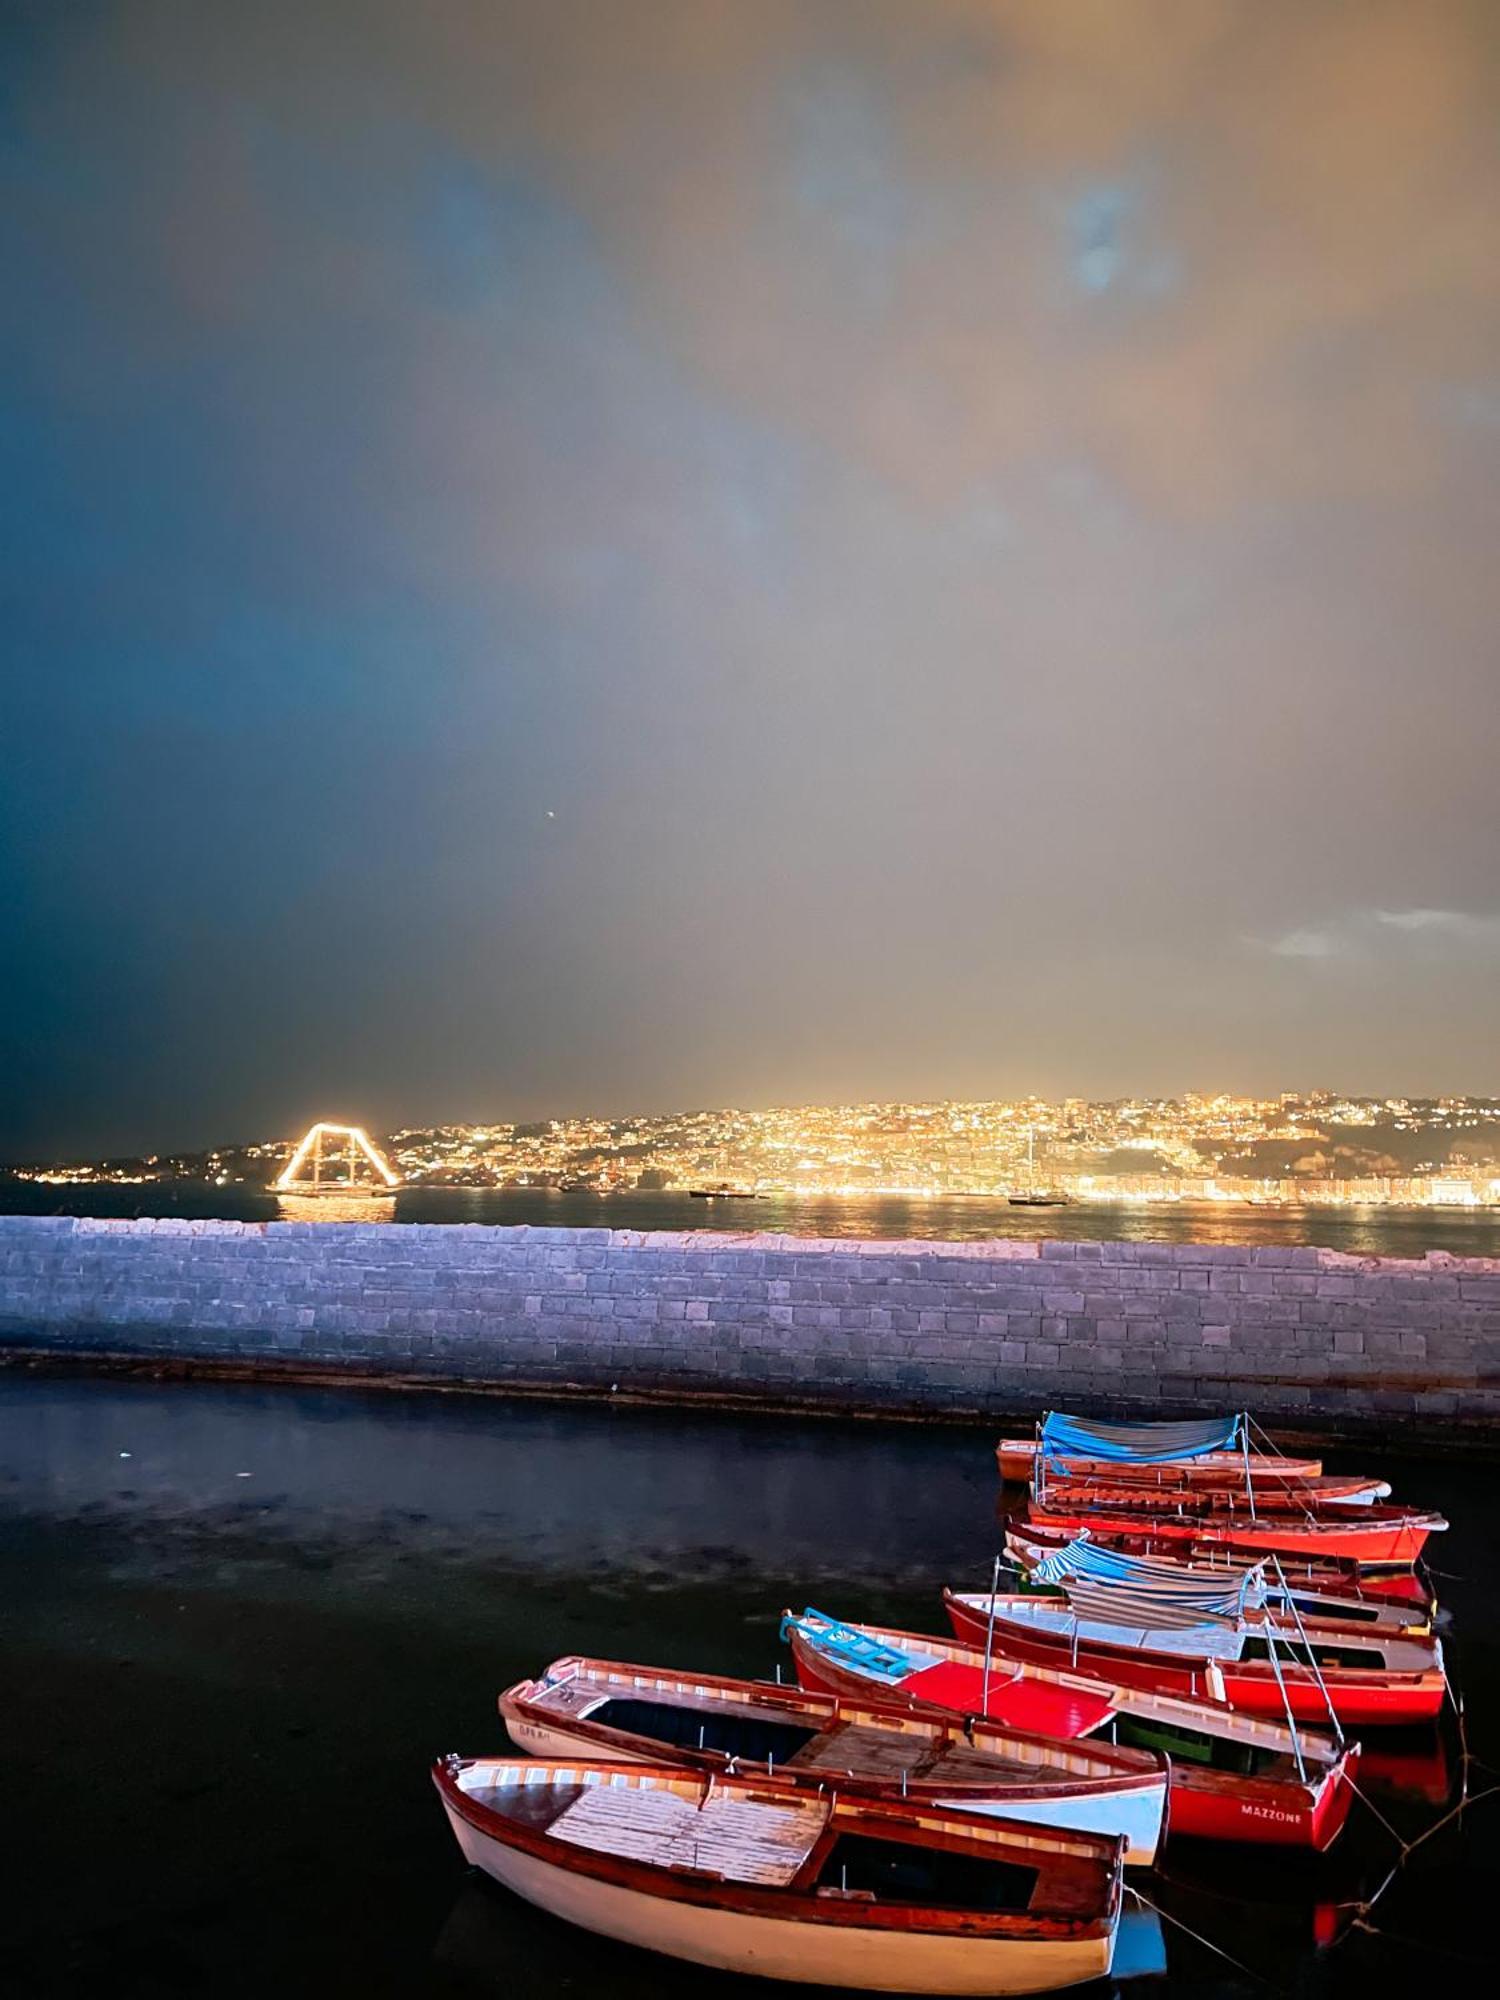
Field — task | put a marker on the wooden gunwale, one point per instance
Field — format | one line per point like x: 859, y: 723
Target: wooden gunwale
x: 951, y: 1832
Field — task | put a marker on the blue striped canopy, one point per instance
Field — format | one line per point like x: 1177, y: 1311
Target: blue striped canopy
x: 1137, y: 1444
x: 1135, y: 1590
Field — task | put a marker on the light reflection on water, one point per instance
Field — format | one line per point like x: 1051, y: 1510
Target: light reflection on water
x: 1390, y: 1232
x: 241, y: 1644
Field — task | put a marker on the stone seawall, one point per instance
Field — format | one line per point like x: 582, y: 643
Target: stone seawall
x: 949, y: 1328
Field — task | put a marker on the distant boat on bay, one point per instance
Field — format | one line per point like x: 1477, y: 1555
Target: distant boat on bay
x: 724, y: 1192
x: 1032, y: 1196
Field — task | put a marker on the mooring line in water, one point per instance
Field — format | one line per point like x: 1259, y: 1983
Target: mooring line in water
x: 1198, y: 1938
x: 1370, y: 1806
x: 1409, y: 1847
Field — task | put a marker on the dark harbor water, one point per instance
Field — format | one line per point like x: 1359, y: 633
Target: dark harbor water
x: 239, y: 1622
x: 1387, y: 1232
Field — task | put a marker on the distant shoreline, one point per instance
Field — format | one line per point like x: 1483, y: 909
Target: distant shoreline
x: 1383, y: 1229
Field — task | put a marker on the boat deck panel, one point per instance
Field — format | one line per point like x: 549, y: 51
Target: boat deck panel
x: 738, y: 1839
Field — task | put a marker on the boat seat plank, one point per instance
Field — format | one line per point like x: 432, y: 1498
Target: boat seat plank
x: 867, y: 1753
x: 738, y: 1839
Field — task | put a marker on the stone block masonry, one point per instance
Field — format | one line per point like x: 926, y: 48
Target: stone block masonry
x: 1297, y: 1335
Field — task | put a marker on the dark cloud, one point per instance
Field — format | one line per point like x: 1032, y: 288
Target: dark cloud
x: 562, y: 555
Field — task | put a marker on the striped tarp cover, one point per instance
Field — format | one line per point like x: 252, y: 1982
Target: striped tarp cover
x: 1120, y: 1589
x: 1137, y: 1444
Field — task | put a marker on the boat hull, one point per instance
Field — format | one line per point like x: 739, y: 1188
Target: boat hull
x: 1307, y: 1816
x: 878, y: 1960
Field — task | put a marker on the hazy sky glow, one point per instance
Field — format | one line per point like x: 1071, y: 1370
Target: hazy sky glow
x: 566, y: 556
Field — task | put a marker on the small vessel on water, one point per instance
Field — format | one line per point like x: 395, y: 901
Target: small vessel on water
x: 1207, y: 1451
x: 724, y: 1192
x: 830, y: 1889
x: 1030, y: 1195
x: 1233, y: 1776
x: 1315, y: 1592
x: 1266, y: 1665
x: 1362, y: 1532
x: 601, y: 1708
x: 1017, y: 1458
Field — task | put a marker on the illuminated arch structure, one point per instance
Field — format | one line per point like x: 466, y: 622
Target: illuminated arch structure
x: 337, y: 1160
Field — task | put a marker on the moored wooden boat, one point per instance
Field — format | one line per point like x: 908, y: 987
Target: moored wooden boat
x: 605, y: 1709
x: 1372, y: 1534
x: 1167, y: 1485
x: 1234, y: 1776
x: 830, y: 1889
x: 1016, y: 1458
x: 1332, y: 1590
x: 1314, y: 1496
x: 1366, y: 1678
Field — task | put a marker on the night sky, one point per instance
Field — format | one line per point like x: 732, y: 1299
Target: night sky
x: 610, y: 556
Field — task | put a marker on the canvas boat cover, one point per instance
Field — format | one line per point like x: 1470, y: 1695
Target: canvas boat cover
x: 1137, y: 1444
x: 1119, y: 1589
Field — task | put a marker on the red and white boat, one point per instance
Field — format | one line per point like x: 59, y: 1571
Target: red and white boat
x: 1017, y: 1458
x: 1332, y: 1590
x: 604, y: 1709
x: 1166, y: 1486
x: 829, y: 1889
x: 1360, y: 1534
x: 1233, y: 1777
x: 1364, y: 1678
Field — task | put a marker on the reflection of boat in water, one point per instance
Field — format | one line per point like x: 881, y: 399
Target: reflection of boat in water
x: 338, y: 1205
x: 1410, y: 1764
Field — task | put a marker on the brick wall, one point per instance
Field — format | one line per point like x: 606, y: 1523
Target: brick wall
x: 999, y: 1326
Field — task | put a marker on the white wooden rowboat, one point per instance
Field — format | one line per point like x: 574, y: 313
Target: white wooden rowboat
x: 582, y: 1708
x: 830, y: 1890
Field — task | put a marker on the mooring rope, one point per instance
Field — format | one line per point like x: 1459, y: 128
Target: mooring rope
x: 1198, y: 1938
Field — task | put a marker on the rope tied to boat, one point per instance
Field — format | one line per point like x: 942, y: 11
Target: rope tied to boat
x: 1208, y: 1944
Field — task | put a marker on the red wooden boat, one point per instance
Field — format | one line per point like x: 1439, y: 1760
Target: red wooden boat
x: 1397, y: 1603
x: 1373, y: 1534
x: 1017, y: 1457
x: 651, y: 1715
x: 1165, y: 1495
x: 1234, y: 1777
x: 1368, y: 1678
x: 831, y: 1889
x: 1166, y: 1485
